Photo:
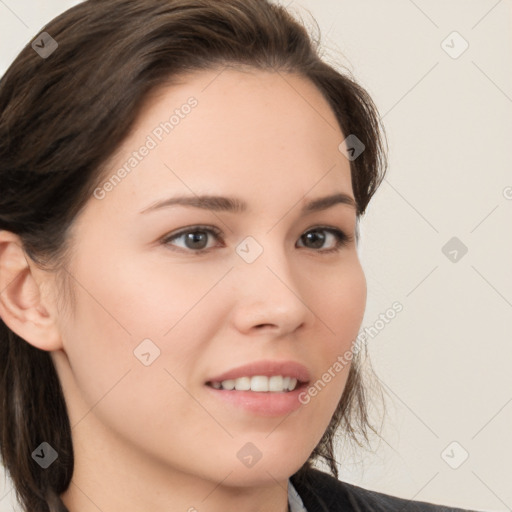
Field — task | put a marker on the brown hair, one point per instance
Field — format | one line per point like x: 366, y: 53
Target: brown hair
x: 63, y: 116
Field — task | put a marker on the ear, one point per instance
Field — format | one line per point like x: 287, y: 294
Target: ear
x: 22, y: 306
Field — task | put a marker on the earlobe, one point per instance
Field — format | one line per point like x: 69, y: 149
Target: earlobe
x: 21, y: 303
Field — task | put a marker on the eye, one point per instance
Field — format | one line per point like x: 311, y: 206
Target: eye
x: 316, y: 239
x: 194, y: 239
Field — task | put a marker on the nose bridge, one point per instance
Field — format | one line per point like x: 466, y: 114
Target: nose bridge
x: 265, y: 264
x: 268, y: 291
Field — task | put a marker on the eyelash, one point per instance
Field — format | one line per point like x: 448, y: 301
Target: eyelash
x: 342, y: 239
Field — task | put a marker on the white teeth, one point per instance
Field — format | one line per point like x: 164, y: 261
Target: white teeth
x: 275, y: 383
x: 228, y: 384
x: 243, y: 384
x: 258, y: 383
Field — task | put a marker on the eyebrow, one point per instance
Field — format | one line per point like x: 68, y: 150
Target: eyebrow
x: 235, y: 205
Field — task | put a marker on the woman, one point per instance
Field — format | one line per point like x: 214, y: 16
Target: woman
x: 182, y: 183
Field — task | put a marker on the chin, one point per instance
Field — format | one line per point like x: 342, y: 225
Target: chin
x: 277, y: 467
x: 267, y: 475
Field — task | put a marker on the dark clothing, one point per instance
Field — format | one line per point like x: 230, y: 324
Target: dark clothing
x: 321, y: 492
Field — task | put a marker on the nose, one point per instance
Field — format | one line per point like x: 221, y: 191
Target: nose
x: 270, y: 296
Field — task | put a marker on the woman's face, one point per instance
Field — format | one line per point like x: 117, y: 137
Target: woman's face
x: 170, y: 298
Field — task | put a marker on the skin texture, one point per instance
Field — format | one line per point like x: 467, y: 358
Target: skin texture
x: 152, y: 437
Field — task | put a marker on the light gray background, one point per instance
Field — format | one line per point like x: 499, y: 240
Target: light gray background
x: 445, y: 359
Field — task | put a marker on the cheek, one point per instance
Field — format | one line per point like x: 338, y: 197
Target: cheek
x: 341, y: 303
x: 127, y: 303
x: 341, y: 308
x: 161, y: 296
x: 110, y: 383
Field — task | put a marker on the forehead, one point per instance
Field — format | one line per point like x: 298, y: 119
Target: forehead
x: 235, y: 132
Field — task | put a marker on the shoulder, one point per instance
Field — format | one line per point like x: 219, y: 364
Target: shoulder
x: 321, y: 492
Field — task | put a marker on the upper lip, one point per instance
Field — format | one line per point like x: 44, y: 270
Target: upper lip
x: 266, y: 368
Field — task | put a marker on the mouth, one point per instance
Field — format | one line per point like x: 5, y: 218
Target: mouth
x: 259, y: 395
x: 261, y: 388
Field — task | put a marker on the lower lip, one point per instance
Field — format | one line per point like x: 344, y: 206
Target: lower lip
x: 262, y: 403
